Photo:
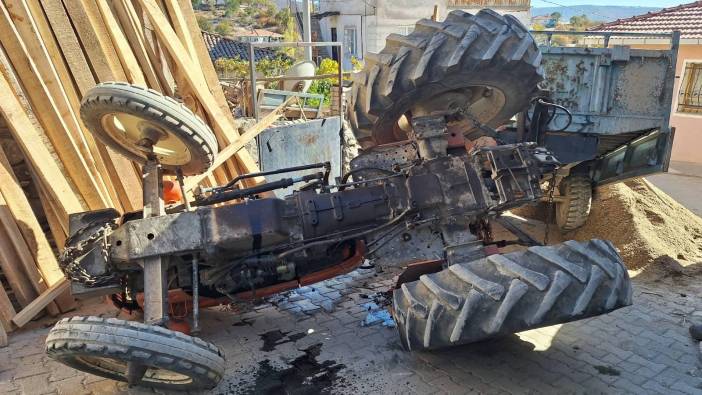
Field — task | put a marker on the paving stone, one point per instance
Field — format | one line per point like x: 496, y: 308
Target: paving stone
x: 31, y: 370
x: 36, y: 384
x: 103, y: 387
x: 307, y: 306
x: 643, y: 342
x: 70, y: 386
x: 8, y: 387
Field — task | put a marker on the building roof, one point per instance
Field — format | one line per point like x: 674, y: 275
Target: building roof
x: 242, y: 31
x: 222, y: 47
x: 686, y: 17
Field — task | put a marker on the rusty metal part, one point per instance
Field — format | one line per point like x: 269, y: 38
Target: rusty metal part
x: 417, y: 269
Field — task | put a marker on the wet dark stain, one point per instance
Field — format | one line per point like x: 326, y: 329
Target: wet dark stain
x: 274, y: 338
x: 607, y: 370
x: 304, y: 375
x: 244, y: 322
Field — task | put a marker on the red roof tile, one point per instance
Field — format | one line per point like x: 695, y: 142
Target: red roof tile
x: 686, y: 17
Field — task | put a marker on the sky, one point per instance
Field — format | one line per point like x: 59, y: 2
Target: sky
x: 633, y: 3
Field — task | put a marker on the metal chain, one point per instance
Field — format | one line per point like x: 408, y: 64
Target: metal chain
x: 68, y: 259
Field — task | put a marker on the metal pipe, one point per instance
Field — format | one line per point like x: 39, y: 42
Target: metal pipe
x: 292, y: 78
x: 296, y: 44
x: 341, y: 86
x: 307, y: 28
x: 271, y: 172
x: 252, y: 70
x: 256, y: 189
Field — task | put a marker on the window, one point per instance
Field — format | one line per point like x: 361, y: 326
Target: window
x: 350, y: 40
x: 690, y: 95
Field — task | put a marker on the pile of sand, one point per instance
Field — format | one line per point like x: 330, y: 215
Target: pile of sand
x: 641, y: 220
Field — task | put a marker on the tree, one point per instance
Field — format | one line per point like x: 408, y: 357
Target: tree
x: 196, y: 4
x: 224, y: 28
x: 204, y: 24
x: 231, y: 7
x: 581, y: 23
x: 287, y: 27
x: 556, y: 16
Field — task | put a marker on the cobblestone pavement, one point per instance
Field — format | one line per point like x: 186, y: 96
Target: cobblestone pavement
x: 312, y: 341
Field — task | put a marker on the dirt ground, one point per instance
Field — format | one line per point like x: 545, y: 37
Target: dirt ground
x: 645, y: 224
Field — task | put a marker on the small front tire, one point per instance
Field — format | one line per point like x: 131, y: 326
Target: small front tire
x: 136, y: 353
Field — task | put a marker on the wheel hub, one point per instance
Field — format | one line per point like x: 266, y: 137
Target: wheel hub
x: 482, y: 103
x: 142, y: 137
x: 135, y: 373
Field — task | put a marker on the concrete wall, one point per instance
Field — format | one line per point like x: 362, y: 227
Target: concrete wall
x: 688, y: 127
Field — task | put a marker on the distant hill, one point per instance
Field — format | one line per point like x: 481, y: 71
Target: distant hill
x: 593, y: 12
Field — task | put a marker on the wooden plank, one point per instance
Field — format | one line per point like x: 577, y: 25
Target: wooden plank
x: 236, y: 146
x: 30, y: 141
x: 134, y: 33
x: 40, y: 253
x: 156, y: 55
x: 206, y: 67
x: 119, y: 42
x: 194, y: 77
x: 34, y: 308
x: 50, y: 113
x: 244, y: 159
x: 70, y: 46
x: 182, y: 30
x: 3, y: 337
x: 124, y: 179
x: 40, y: 40
x: 25, y: 261
x: 7, y: 311
x: 20, y: 284
x: 58, y: 233
x: 57, y: 32
x: 101, y: 55
x: 95, y: 40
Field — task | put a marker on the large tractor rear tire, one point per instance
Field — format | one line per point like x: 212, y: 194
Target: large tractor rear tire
x: 504, y: 294
x: 487, y: 64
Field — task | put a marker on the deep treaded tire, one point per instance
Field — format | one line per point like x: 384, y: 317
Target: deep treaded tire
x: 465, y: 50
x: 104, y: 346
x: 573, y: 212
x: 165, y: 112
x: 509, y: 293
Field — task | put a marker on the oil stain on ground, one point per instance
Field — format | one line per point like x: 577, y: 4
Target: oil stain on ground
x: 274, y: 338
x: 607, y: 370
x: 302, y: 376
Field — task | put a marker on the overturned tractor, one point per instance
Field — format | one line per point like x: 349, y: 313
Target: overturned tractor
x: 432, y: 177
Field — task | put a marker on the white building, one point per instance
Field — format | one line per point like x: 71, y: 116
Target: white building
x: 363, y: 25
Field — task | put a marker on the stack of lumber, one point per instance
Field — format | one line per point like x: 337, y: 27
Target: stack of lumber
x: 52, y: 53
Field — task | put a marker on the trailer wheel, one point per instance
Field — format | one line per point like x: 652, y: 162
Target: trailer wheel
x: 572, y: 212
x: 136, y: 353
x: 502, y: 294
x: 129, y: 118
x: 487, y: 64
